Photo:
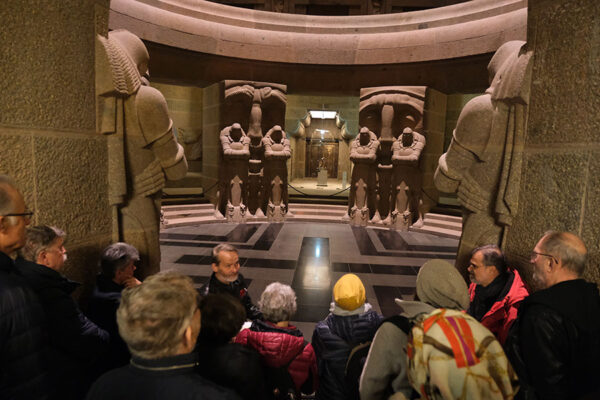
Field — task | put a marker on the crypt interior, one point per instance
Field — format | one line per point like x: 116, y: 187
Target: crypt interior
x: 321, y: 71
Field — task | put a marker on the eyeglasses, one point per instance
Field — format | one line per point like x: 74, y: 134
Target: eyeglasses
x: 534, y: 255
x: 27, y: 214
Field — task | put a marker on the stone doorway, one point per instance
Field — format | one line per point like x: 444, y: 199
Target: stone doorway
x: 325, y: 152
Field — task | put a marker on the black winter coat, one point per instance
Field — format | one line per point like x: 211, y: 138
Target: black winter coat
x: 234, y: 366
x: 554, y: 344
x: 102, y: 310
x: 333, y: 340
x: 237, y: 288
x: 76, y: 342
x: 23, y: 344
x: 164, y: 378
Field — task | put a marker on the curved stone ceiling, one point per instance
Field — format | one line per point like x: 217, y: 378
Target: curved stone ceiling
x: 460, y: 30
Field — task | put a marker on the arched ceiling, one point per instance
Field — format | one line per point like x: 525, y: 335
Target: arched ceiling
x: 199, y: 42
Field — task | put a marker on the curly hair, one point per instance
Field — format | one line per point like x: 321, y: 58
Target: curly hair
x: 278, y: 302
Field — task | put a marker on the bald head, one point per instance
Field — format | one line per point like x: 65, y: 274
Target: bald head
x: 568, y: 248
x: 12, y: 218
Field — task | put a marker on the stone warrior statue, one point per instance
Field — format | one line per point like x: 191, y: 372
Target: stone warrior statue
x: 407, y: 178
x: 142, y: 150
x: 483, y: 163
x: 277, y: 152
x: 233, y: 174
x: 363, y: 153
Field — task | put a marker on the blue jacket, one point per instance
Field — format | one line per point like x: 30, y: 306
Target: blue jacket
x: 333, y: 340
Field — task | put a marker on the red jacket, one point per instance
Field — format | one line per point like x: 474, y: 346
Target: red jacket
x: 503, y: 313
x: 277, y: 349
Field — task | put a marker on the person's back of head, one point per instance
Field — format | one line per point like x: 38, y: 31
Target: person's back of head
x: 440, y: 285
x: 222, y: 318
x: 160, y: 318
x: 277, y: 302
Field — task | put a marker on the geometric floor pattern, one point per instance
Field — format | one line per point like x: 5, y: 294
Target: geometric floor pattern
x: 310, y: 257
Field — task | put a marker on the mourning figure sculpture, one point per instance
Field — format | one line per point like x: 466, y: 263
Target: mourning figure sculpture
x: 142, y: 150
x: 277, y: 152
x: 407, y: 178
x: 233, y: 174
x: 483, y: 163
x: 363, y: 153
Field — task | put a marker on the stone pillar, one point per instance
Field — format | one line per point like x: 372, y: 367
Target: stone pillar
x: 560, y: 185
x: 48, y: 138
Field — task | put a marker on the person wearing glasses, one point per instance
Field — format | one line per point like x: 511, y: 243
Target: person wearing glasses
x: 227, y: 279
x: 23, y: 369
x: 554, y: 345
x: 76, y: 343
x: 496, y: 291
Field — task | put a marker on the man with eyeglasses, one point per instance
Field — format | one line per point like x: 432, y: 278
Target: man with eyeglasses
x: 554, y: 345
x: 227, y: 279
x: 496, y: 291
x: 23, y: 369
x: 76, y: 343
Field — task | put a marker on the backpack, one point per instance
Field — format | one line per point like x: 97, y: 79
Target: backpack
x: 354, y: 367
x: 451, y: 355
x: 279, y: 382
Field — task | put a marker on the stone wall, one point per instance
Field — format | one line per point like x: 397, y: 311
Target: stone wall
x: 297, y: 107
x: 454, y: 106
x: 434, y: 124
x: 185, y: 109
x: 560, y: 186
x: 212, y: 106
x: 48, y: 142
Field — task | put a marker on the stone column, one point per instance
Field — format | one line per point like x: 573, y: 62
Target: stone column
x: 560, y: 185
x: 48, y: 138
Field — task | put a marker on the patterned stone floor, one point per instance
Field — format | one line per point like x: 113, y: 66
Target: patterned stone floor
x: 310, y: 257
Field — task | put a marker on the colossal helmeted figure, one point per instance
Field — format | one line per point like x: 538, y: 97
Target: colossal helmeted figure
x: 483, y: 163
x: 363, y: 153
x: 407, y: 178
x: 277, y: 152
x: 143, y: 151
x: 387, y: 111
x: 233, y: 177
x: 259, y: 106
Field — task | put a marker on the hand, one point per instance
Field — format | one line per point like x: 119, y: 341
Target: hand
x: 132, y: 282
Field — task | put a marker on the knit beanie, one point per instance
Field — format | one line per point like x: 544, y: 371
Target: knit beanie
x: 349, y: 292
x: 441, y: 285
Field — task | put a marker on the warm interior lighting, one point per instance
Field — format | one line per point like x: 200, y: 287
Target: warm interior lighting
x: 319, y: 114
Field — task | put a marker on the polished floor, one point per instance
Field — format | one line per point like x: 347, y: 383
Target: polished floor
x: 310, y: 257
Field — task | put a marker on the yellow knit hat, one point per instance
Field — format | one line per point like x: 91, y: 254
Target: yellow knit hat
x: 349, y: 292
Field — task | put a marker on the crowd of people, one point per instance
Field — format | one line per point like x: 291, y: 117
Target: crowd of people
x: 164, y: 339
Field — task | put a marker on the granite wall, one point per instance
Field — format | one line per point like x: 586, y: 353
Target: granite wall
x: 560, y: 187
x: 48, y: 140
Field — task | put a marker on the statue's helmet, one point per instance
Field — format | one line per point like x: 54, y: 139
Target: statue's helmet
x: 501, y: 55
x: 134, y: 47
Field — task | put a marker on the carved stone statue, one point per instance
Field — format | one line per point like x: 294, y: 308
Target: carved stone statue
x: 363, y: 153
x: 407, y: 178
x: 277, y: 152
x: 483, y: 163
x: 262, y: 106
x: 143, y: 151
x: 387, y: 111
x: 233, y: 174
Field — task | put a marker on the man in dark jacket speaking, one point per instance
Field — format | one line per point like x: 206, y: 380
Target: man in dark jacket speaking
x: 227, y: 279
x: 23, y: 373
x: 555, y: 343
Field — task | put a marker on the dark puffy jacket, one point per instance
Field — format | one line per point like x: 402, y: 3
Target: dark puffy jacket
x: 279, y: 346
x: 23, y: 345
x: 554, y: 345
x: 75, y: 341
x: 102, y: 310
x: 333, y: 340
x: 160, y: 379
x: 234, y: 366
x: 237, y: 289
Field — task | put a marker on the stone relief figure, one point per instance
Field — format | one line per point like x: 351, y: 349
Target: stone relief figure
x: 363, y: 153
x: 262, y: 105
x: 277, y: 152
x: 143, y: 151
x: 483, y: 163
x: 387, y: 111
x: 407, y: 178
x: 233, y: 174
